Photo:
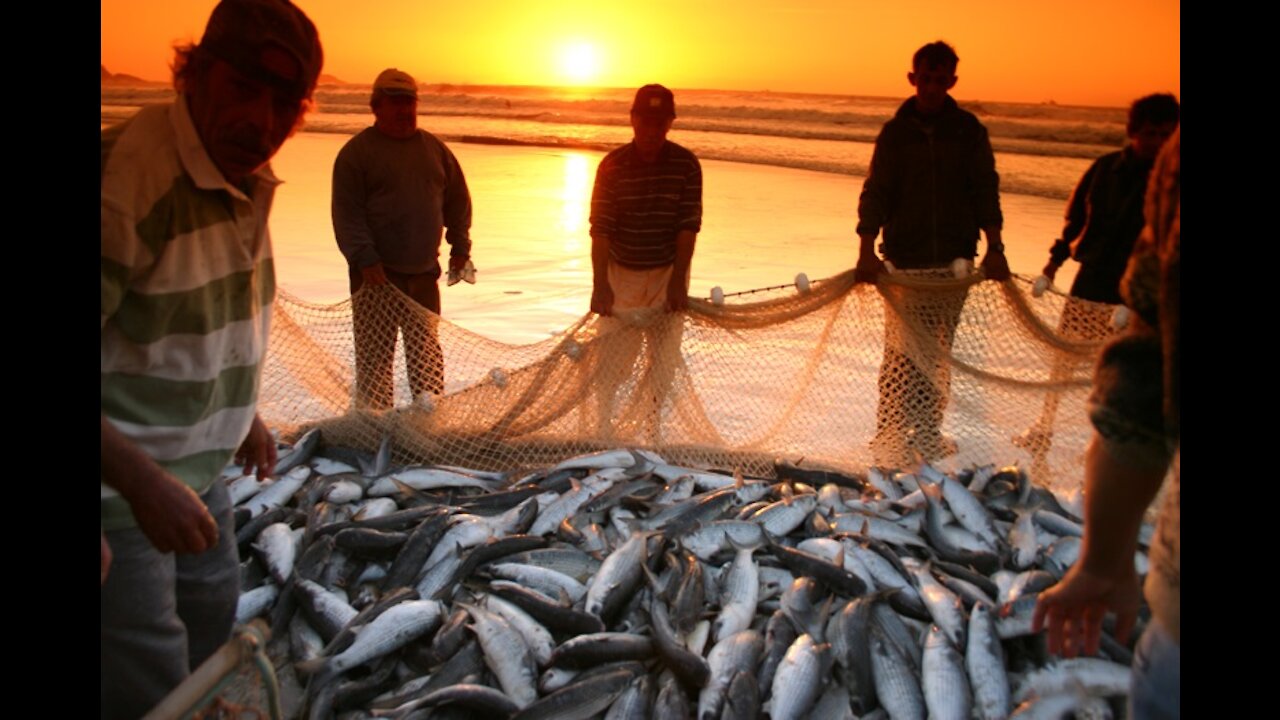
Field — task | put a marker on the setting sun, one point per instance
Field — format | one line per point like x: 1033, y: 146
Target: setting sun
x: 579, y: 63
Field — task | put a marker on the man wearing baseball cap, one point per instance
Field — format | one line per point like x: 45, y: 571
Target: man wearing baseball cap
x: 646, y: 211
x: 396, y: 189
x: 187, y: 287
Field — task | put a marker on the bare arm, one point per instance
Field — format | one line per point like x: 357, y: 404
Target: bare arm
x: 601, y: 291
x: 258, y: 449
x: 994, y: 263
x: 1116, y: 497
x: 168, y: 512
x: 602, y: 228
x: 678, y: 287
x: 869, y: 264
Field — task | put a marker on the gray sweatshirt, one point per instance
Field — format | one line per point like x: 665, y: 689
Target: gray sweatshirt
x: 392, y: 199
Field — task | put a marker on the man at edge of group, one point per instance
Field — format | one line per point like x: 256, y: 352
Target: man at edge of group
x: 646, y: 211
x: 931, y: 187
x: 187, y: 288
x: 1136, y: 410
x: 1104, y: 215
x: 396, y: 189
x: 1103, y: 220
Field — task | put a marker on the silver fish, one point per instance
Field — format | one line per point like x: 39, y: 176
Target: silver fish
x: 799, y: 679
x: 618, y: 577
x: 945, y: 684
x: 278, y: 492
x: 741, y: 591
x: 389, y: 631
x: 536, y: 636
x: 736, y: 653
x: 897, y: 686
x: 984, y: 660
x: 255, y: 602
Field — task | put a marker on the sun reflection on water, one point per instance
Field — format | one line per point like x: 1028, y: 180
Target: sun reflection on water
x: 574, y: 197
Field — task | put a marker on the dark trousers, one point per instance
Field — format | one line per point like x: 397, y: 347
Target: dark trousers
x: 376, y: 319
x: 162, y: 615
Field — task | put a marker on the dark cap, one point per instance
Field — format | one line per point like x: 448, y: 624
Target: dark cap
x: 395, y: 82
x: 654, y: 101
x: 239, y: 30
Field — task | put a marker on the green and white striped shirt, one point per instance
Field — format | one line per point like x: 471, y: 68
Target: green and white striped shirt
x: 187, y: 286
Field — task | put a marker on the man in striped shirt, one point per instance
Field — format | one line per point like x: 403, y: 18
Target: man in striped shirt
x: 187, y: 285
x: 646, y: 211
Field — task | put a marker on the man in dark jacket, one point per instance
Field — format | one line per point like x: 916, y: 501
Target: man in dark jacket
x: 396, y: 190
x: 931, y: 188
x: 1104, y: 218
x: 1104, y: 215
x: 1136, y: 410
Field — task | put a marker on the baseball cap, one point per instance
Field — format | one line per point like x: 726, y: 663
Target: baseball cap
x: 396, y: 82
x: 239, y: 30
x: 654, y: 100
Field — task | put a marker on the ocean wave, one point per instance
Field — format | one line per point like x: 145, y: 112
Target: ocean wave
x: 1041, y: 148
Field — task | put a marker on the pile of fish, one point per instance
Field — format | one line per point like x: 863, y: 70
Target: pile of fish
x: 617, y: 585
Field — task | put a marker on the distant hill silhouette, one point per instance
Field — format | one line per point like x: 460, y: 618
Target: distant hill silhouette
x: 109, y: 78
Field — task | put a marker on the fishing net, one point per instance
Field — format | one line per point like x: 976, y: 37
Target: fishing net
x: 834, y: 374
x: 238, y: 682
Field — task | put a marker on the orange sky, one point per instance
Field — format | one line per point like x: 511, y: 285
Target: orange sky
x: 1080, y: 52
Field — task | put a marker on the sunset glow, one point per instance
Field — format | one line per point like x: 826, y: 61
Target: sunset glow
x: 579, y: 64
x: 1086, y: 52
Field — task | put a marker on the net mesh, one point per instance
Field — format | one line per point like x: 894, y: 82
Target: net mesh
x: 238, y: 682
x: 843, y: 375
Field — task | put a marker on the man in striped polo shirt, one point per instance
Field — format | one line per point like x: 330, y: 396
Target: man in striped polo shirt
x: 646, y: 211
x: 187, y: 286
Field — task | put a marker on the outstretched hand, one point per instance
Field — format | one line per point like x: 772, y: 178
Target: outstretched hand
x: 169, y: 513
x: 258, y: 450
x: 1050, y: 270
x: 172, y: 516
x: 995, y: 266
x: 868, y: 269
x: 602, y: 300
x: 677, y: 296
x: 1073, y: 610
x: 373, y: 275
